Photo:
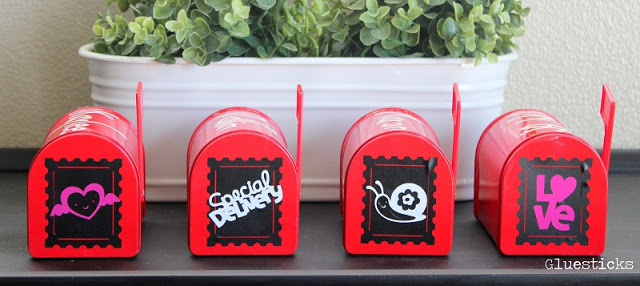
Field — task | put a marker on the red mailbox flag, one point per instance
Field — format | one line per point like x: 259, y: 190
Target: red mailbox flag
x: 607, y: 112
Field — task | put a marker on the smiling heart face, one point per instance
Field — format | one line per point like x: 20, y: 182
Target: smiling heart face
x: 562, y: 188
x: 83, y: 203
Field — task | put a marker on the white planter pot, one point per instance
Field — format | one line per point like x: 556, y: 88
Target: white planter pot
x: 338, y: 91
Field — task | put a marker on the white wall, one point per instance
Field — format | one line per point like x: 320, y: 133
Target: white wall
x: 41, y: 75
x: 570, y: 48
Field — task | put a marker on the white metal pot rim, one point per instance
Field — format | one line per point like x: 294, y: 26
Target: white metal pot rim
x: 86, y: 51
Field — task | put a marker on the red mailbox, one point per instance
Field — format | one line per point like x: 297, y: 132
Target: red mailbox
x: 85, y: 194
x: 397, y: 186
x: 243, y: 185
x: 540, y: 190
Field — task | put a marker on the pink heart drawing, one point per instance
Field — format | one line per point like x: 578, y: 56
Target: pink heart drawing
x: 83, y: 203
x: 562, y: 188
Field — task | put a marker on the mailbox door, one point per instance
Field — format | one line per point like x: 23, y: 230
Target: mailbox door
x: 243, y: 198
x: 83, y: 199
x: 553, y: 198
x: 399, y: 198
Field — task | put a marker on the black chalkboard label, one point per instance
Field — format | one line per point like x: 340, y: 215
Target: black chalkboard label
x: 553, y: 201
x: 244, y: 200
x: 83, y: 202
x: 399, y: 200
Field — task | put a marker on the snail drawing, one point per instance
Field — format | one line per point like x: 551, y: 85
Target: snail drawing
x: 406, y: 204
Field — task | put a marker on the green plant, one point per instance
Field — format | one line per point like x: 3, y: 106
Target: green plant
x: 210, y: 30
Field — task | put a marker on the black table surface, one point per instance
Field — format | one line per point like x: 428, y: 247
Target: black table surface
x: 320, y: 258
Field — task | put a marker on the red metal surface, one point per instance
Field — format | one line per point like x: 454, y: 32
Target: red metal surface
x: 607, y: 112
x: 141, y: 154
x: 540, y: 190
x: 97, y: 120
x: 397, y: 148
x: 373, y: 124
x: 243, y: 185
x: 455, y: 113
x: 495, y: 145
x: 85, y: 187
x: 230, y: 120
x: 300, y: 118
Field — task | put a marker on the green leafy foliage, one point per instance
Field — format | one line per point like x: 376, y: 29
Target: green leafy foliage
x: 211, y: 30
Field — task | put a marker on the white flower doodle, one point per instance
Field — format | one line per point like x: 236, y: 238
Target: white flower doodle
x: 406, y: 204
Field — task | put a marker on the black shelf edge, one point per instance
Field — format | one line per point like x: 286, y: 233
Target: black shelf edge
x: 19, y: 160
x: 16, y: 159
x: 310, y: 278
x: 625, y: 161
x: 320, y: 258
